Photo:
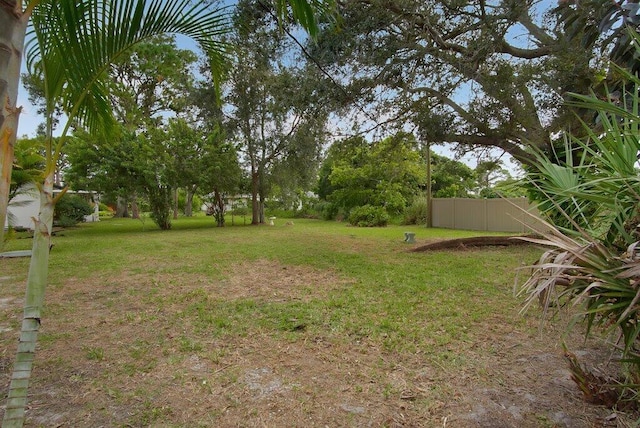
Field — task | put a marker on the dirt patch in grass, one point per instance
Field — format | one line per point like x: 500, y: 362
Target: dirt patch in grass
x: 271, y: 280
x: 131, y: 351
x: 473, y: 242
x: 261, y: 280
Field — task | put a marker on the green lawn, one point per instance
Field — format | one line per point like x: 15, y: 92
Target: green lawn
x: 270, y: 326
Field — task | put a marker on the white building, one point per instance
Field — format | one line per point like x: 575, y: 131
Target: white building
x: 26, y: 206
x: 23, y: 209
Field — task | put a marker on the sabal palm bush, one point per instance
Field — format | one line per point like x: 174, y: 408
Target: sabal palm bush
x: 590, y: 196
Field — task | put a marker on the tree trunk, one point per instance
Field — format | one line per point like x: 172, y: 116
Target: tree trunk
x: 429, y: 191
x: 135, y: 210
x: 122, y: 208
x: 13, y: 26
x: 188, y: 207
x: 261, y: 209
x: 175, y: 203
x: 263, y: 195
x: 218, y: 208
x: 34, y: 299
x: 255, y: 208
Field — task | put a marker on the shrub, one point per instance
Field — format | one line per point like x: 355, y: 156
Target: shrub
x: 70, y: 210
x: 239, y: 211
x: 279, y: 213
x: 368, y: 216
x: 105, y: 211
x: 416, y: 213
x: 326, y: 210
x: 160, y: 202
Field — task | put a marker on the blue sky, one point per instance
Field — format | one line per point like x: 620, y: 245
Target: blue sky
x: 29, y: 119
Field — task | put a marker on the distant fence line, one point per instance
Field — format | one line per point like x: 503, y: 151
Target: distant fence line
x: 492, y: 215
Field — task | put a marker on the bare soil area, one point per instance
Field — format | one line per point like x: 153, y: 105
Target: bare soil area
x: 473, y: 242
x: 108, y: 358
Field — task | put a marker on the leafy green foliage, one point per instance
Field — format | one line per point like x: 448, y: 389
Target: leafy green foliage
x: 307, y: 13
x: 183, y: 201
x: 368, y: 216
x: 508, y: 188
x: 219, y: 169
x: 171, y: 153
x: 110, y: 166
x: 383, y: 174
x: 160, y: 203
x: 451, y: 178
x: 611, y: 24
x: 405, y: 61
x: 70, y: 210
x: 416, y: 213
x: 75, y: 72
x: 28, y: 165
x: 592, y: 184
x: 495, y: 181
x: 154, y: 78
x: 276, y: 112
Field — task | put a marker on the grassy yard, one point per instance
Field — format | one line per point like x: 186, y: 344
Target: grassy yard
x: 311, y: 324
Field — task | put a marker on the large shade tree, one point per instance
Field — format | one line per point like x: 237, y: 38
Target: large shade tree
x: 274, y: 112
x: 109, y: 165
x: 15, y: 16
x: 498, y: 71
x: 150, y: 83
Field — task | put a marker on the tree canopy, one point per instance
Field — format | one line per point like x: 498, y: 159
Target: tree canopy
x: 274, y: 112
x: 477, y: 74
x: 386, y: 173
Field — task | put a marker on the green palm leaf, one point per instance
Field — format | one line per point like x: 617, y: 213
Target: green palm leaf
x: 73, y: 43
x: 307, y: 12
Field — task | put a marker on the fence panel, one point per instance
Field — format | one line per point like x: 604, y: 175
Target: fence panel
x: 495, y: 215
x: 443, y: 211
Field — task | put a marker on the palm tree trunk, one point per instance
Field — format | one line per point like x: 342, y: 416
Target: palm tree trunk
x: 13, y: 26
x: 36, y: 283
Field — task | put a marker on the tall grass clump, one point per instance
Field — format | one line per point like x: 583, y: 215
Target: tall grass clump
x: 589, y: 193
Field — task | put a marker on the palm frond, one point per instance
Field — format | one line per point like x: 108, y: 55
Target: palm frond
x: 72, y: 44
x: 307, y: 12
